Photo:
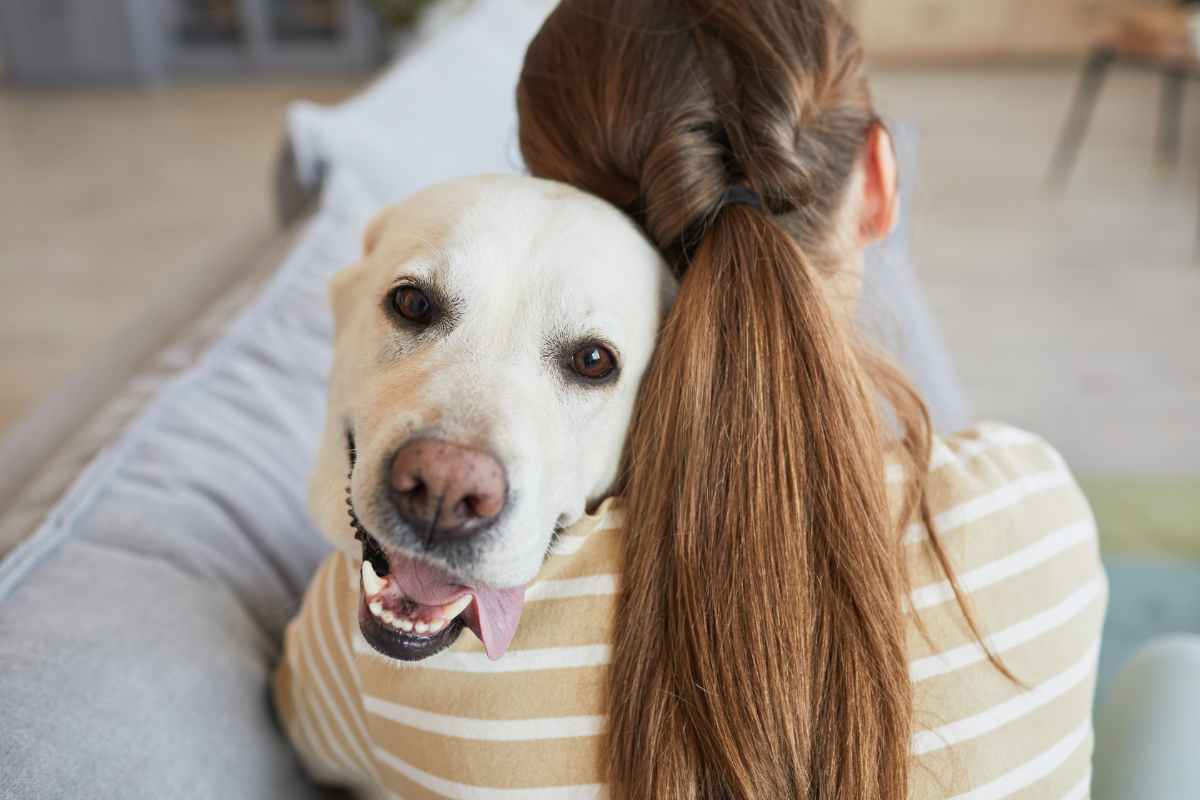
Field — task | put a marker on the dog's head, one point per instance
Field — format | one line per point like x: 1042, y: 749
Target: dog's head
x: 487, y: 355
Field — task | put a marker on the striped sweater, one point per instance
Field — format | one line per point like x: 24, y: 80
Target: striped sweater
x: 526, y: 727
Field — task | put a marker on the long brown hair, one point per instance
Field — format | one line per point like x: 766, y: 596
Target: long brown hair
x: 760, y: 645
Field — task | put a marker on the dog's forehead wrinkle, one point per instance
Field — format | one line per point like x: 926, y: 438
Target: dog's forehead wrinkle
x: 406, y: 241
x: 532, y: 311
x: 548, y: 253
x: 408, y: 238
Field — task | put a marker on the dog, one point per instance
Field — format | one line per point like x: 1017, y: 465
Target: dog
x: 488, y: 349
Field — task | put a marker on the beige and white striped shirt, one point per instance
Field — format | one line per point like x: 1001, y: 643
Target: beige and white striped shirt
x: 1017, y: 527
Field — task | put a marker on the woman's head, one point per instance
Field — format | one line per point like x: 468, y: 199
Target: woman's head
x: 660, y: 106
x: 758, y: 649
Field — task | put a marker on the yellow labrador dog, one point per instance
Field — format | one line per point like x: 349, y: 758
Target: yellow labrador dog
x: 488, y: 350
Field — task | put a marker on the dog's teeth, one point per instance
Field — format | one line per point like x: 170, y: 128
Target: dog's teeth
x: 372, y: 583
x: 445, y: 615
x: 457, y: 607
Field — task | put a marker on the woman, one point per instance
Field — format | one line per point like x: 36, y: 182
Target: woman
x: 788, y: 627
x: 803, y: 573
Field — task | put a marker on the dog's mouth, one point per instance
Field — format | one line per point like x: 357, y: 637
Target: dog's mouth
x: 401, y: 628
x: 410, y: 609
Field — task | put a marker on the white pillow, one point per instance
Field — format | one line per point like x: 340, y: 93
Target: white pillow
x: 444, y: 109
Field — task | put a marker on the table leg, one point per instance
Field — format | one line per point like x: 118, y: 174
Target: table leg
x: 1090, y: 83
x: 1170, y: 121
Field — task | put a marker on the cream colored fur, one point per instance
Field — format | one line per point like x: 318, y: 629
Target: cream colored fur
x: 527, y: 265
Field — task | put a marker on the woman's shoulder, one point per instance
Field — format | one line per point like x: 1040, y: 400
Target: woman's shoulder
x: 992, y: 445
x: 1013, y: 523
x: 999, y: 468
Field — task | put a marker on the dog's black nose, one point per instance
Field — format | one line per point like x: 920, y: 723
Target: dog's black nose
x: 446, y: 490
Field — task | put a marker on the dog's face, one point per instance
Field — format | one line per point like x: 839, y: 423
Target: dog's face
x: 487, y: 355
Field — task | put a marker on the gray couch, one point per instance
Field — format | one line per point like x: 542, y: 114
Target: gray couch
x: 160, y: 549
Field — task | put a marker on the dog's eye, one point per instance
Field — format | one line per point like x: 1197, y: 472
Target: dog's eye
x: 412, y: 304
x: 594, y: 362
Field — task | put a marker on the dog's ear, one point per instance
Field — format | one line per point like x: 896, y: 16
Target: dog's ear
x: 375, y: 232
x: 342, y: 293
x: 342, y: 285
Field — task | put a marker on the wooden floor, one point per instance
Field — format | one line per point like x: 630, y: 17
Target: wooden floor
x: 1076, y: 315
x: 108, y: 197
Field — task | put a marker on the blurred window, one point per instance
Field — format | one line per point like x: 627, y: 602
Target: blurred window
x: 209, y: 22
x: 305, y: 20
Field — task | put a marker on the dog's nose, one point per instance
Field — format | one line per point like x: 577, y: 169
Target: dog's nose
x: 446, y: 490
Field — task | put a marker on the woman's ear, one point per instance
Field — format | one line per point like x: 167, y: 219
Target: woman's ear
x: 880, y: 202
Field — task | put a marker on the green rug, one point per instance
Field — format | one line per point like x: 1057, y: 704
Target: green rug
x: 1154, y: 517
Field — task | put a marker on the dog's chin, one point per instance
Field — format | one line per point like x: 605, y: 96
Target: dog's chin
x: 397, y: 644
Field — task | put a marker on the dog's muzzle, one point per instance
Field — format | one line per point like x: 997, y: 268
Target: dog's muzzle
x: 412, y: 609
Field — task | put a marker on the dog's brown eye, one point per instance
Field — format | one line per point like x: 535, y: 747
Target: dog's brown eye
x: 412, y: 304
x: 594, y: 362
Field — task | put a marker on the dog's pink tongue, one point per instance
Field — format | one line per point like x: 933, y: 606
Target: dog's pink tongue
x: 493, y: 615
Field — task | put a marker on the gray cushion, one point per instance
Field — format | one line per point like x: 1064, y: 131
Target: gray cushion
x: 140, y: 623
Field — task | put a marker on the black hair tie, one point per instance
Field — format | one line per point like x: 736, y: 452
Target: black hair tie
x: 684, y: 248
x: 680, y: 252
x: 739, y: 196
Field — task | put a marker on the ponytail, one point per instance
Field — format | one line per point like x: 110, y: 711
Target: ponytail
x: 758, y: 634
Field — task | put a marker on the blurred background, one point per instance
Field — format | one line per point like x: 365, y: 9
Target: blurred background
x: 1055, y: 207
